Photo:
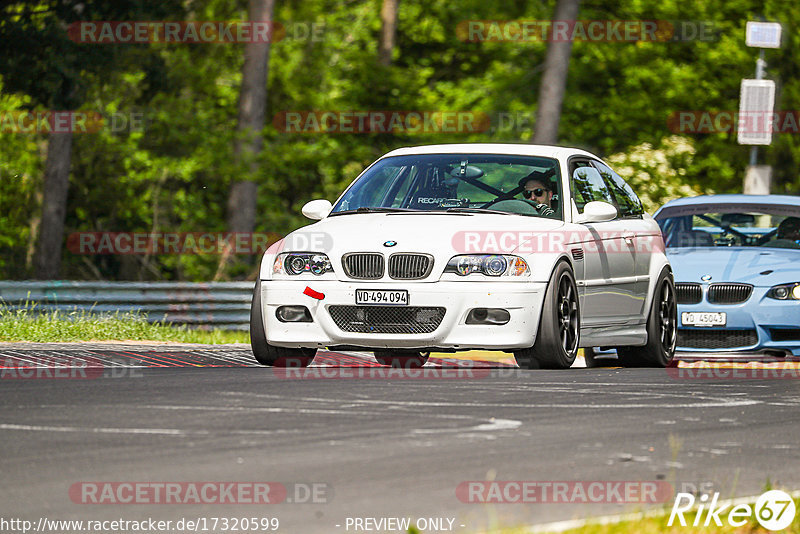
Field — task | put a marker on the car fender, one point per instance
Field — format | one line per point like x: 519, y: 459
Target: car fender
x: 543, y: 265
x: 658, y: 263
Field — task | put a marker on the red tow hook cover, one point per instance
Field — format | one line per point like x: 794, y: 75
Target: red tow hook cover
x: 313, y: 294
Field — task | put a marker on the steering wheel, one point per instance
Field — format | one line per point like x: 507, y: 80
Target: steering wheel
x: 495, y: 201
x: 728, y: 230
x: 515, y: 205
x: 766, y: 238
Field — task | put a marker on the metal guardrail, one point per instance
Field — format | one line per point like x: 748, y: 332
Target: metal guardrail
x: 224, y: 305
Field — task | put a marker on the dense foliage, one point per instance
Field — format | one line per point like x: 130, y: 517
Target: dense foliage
x: 172, y: 173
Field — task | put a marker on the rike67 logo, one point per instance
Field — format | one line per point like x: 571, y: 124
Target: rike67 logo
x: 774, y: 510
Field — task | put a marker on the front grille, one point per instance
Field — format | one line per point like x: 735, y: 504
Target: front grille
x: 688, y: 293
x: 729, y: 293
x: 716, y: 339
x: 785, y: 334
x: 363, y: 265
x: 410, y: 266
x: 387, y: 319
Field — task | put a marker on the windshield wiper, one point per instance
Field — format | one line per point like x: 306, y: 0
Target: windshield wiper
x: 381, y: 209
x: 476, y: 210
x: 374, y: 209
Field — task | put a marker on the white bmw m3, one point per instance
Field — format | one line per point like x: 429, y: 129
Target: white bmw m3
x: 535, y: 250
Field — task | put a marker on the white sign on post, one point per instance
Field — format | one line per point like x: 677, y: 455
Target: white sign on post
x: 756, y: 105
x: 763, y: 34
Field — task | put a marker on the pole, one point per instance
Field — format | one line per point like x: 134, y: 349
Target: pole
x: 761, y: 66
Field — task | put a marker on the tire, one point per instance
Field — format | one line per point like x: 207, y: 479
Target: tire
x: 402, y: 359
x: 271, y: 355
x: 662, y: 329
x: 558, y: 336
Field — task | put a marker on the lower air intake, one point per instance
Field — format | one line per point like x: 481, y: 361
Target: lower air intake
x: 387, y: 319
x: 716, y: 339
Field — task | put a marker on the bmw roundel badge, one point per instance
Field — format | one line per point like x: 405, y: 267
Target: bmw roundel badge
x: 389, y: 243
x: 705, y: 277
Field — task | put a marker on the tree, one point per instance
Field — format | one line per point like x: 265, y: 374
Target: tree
x: 29, y: 36
x: 388, y: 32
x: 47, y: 260
x: 242, y: 199
x: 252, y: 110
x: 554, y: 80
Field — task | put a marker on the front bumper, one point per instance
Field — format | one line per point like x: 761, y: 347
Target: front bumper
x: 757, y: 325
x: 523, y: 301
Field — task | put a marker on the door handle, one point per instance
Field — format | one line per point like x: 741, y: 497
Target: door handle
x: 628, y: 237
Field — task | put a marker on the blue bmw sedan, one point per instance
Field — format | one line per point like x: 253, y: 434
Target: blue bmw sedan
x: 736, y: 262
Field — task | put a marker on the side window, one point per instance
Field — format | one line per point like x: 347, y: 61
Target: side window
x: 626, y: 200
x: 587, y: 186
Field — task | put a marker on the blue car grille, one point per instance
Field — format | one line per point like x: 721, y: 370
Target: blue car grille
x: 716, y: 339
x: 688, y: 293
x: 729, y: 293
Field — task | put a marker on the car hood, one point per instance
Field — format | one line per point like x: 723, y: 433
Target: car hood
x: 439, y: 234
x: 753, y: 265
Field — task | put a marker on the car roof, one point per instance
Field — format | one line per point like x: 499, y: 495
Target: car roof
x: 515, y: 149
x: 688, y: 205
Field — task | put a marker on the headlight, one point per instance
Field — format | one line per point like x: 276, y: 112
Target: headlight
x: 785, y: 292
x: 294, y: 263
x: 488, y: 264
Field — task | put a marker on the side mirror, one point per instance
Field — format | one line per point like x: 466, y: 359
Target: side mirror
x: 317, y: 209
x: 597, y: 211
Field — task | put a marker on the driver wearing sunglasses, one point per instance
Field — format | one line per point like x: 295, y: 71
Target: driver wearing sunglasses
x: 539, y: 193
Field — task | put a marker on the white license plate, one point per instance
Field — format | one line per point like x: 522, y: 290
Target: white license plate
x: 390, y: 297
x: 704, y: 318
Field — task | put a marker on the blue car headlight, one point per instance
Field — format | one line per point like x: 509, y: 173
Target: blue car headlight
x: 785, y: 292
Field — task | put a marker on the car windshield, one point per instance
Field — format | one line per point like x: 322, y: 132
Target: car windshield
x: 457, y: 183
x: 762, y: 227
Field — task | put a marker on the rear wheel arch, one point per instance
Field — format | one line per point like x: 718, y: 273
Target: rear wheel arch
x: 662, y: 327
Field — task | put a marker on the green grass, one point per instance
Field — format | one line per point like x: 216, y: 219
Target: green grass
x: 658, y: 524
x: 28, y: 324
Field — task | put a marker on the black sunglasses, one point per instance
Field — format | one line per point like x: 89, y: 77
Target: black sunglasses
x: 539, y: 191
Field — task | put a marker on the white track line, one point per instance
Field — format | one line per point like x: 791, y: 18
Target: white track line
x: 710, y: 402
x: 570, y: 524
x: 156, y: 431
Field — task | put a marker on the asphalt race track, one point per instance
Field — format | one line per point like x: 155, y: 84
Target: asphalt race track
x: 371, y: 443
